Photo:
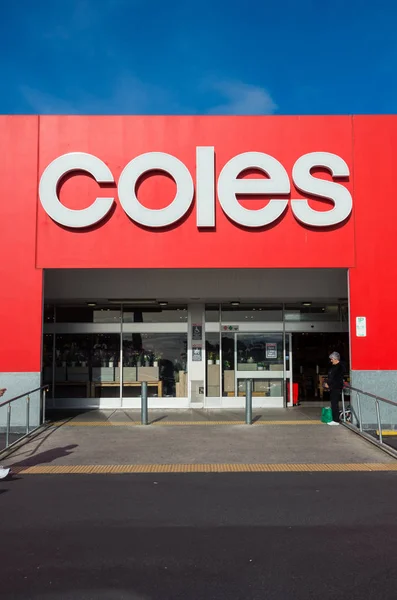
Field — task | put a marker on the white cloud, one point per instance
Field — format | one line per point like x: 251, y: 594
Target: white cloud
x: 127, y: 95
x: 43, y: 103
x: 242, y: 99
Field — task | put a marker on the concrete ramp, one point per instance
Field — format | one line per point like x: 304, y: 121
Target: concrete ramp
x: 196, y: 441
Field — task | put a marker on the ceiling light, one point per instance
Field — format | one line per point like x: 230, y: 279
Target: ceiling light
x: 235, y: 303
x: 163, y: 303
x: 91, y: 303
x: 306, y: 303
x: 132, y: 302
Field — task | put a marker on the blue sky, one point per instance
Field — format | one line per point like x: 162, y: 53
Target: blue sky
x: 207, y: 57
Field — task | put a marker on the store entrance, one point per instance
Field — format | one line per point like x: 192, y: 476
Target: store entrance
x: 310, y: 352
x: 233, y: 357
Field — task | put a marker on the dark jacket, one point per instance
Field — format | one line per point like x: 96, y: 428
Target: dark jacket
x: 336, y: 375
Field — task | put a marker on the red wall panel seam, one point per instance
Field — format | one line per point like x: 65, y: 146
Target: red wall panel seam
x: 354, y: 191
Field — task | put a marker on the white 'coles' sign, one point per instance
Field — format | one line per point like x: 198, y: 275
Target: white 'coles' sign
x: 276, y: 184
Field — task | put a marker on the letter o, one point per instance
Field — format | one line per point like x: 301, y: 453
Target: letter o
x: 155, y: 161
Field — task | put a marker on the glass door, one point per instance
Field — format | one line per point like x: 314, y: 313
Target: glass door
x: 291, y: 390
x: 260, y: 357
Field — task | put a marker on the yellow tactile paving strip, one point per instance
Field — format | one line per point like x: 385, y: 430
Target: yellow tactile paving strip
x: 176, y: 423
x: 204, y: 468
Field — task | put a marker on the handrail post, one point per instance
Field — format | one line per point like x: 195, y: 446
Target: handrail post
x: 379, y: 421
x: 343, y: 406
x: 144, y: 403
x: 27, y: 413
x: 248, y: 402
x: 44, y: 406
x: 8, y: 425
x: 359, y: 412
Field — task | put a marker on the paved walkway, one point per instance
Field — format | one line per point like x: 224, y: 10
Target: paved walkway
x: 109, y: 442
x: 299, y: 415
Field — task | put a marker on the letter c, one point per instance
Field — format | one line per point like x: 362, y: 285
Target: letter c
x: 56, y: 170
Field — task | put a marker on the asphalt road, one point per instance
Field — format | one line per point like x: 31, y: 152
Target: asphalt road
x: 295, y: 536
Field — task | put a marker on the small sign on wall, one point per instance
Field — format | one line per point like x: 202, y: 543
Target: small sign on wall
x: 271, y: 350
x: 361, y: 326
x: 197, y: 331
x: 197, y: 353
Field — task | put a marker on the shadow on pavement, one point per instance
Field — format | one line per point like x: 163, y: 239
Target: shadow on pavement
x: 46, y: 457
x: 68, y: 414
x: 158, y: 419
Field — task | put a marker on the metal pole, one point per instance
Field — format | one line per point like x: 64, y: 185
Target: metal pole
x: 285, y: 362
x: 121, y: 356
x: 359, y: 412
x: 8, y: 425
x: 44, y: 405
x: 379, y: 421
x: 27, y: 413
x: 54, y: 360
x: 248, y: 402
x: 343, y: 406
x: 144, y: 404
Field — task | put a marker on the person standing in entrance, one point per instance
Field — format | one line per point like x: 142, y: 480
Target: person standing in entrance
x: 334, y: 384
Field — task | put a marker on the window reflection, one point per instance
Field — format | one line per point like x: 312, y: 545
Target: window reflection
x: 88, y: 365
x: 48, y: 345
x: 228, y: 366
x: 213, y: 365
x: 85, y: 365
x: 156, y: 314
x: 88, y: 314
x: 260, y: 352
x: 271, y: 388
x: 49, y: 313
x: 160, y: 359
x: 251, y: 313
x: 312, y: 312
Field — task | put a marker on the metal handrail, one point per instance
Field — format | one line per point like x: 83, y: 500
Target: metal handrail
x: 43, y: 387
x: 379, y: 442
x: 376, y: 397
x: 8, y: 403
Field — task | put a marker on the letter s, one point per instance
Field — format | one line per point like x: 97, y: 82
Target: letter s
x: 336, y: 192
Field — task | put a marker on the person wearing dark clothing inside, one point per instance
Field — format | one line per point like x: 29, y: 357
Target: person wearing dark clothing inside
x: 334, y: 384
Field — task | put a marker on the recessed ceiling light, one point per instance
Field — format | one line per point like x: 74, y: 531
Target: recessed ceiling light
x: 132, y: 302
x: 91, y: 303
x: 306, y: 303
x: 235, y: 303
x: 163, y: 303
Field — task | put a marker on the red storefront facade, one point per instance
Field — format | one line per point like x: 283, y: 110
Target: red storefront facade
x: 205, y: 234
